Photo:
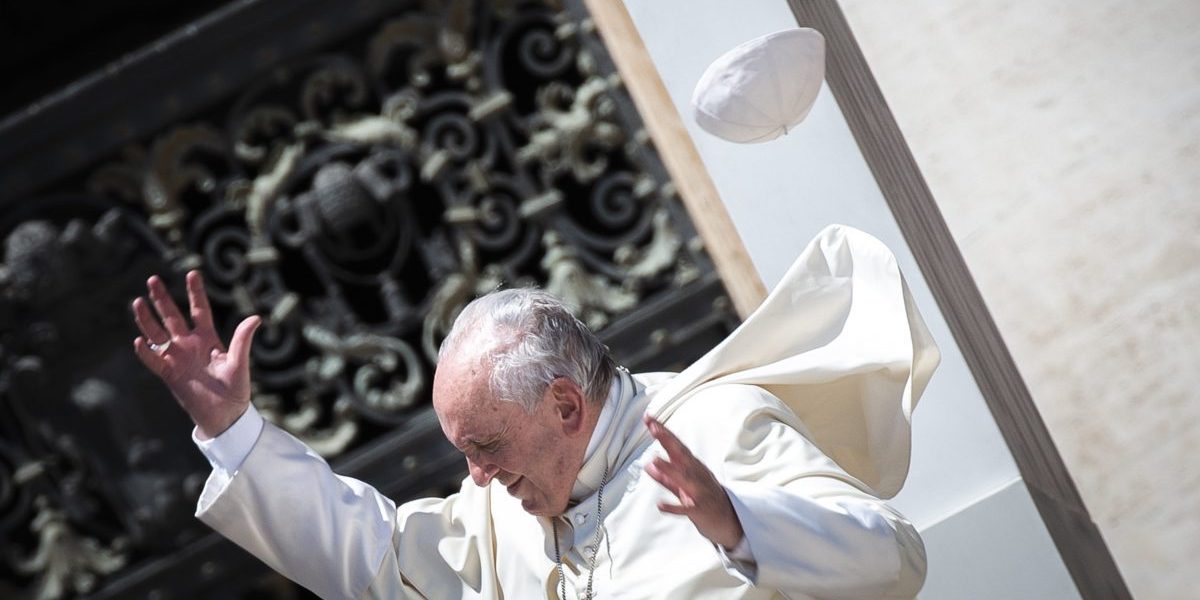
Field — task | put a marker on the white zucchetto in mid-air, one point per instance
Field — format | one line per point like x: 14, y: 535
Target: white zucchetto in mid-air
x: 762, y: 88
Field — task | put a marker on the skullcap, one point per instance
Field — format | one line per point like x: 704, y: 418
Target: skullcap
x: 762, y: 88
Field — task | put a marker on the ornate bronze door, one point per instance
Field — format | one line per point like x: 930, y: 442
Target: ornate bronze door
x: 355, y: 172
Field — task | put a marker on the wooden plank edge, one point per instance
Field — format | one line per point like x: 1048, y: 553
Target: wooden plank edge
x: 679, y: 154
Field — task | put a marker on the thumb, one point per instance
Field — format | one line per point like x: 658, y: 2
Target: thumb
x: 239, y: 346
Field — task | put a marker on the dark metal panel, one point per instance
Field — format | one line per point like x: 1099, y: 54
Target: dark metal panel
x: 355, y: 172
x: 40, y: 40
x: 170, y: 80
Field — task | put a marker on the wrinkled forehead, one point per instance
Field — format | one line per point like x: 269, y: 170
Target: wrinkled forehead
x: 464, y: 369
x: 462, y: 395
x: 475, y: 426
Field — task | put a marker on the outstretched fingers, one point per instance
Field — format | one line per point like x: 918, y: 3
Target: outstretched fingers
x: 675, y: 471
x: 171, y: 317
x: 147, y: 323
x: 674, y: 447
x: 198, y: 301
x: 243, y: 336
x: 700, y: 496
x: 154, y: 361
x: 677, y: 509
x: 666, y: 474
x: 671, y: 477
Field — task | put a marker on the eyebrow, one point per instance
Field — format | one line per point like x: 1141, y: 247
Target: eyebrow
x: 489, y: 439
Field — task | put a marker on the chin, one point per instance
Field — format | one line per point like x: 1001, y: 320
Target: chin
x: 538, y: 509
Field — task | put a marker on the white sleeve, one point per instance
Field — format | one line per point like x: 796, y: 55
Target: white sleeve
x: 284, y: 505
x: 337, y: 536
x: 740, y: 559
x: 808, y: 532
x: 228, y: 451
x: 828, y: 540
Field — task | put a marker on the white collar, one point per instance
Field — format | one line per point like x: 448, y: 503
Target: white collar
x: 618, y: 431
x: 605, y: 420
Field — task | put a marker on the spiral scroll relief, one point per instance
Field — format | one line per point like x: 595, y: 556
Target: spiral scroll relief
x: 356, y: 197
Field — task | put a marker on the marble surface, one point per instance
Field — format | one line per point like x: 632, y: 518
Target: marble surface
x: 1061, y: 139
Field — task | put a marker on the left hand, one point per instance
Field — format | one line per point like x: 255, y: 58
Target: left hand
x: 701, y: 498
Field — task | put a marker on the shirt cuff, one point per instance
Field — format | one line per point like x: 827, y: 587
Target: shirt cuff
x: 228, y: 451
x: 740, y: 559
x: 741, y: 552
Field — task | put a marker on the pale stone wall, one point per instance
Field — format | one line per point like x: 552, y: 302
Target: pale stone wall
x: 1061, y: 139
x: 982, y: 533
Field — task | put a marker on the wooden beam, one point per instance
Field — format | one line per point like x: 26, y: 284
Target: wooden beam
x: 678, y: 153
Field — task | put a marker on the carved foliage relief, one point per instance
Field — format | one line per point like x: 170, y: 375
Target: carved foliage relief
x: 356, y: 197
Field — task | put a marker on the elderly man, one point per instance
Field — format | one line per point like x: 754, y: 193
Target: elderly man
x: 764, y: 486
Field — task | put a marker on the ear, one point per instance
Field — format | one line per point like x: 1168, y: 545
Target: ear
x: 569, y: 404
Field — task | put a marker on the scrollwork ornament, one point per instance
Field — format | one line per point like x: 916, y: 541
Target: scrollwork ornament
x: 573, y: 130
x: 386, y: 372
x: 356, y: 196
x: 65, y: 562
x: 261, y: 131
x: 172, y: 170
x: 15, y: 498
x: 656, y: 257
x: 539, y: 48
x: 334, y: 93
x: 493, y: 218
x: 592, y: 297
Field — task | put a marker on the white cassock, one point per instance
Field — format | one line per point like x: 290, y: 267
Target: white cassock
x: 802, y: 414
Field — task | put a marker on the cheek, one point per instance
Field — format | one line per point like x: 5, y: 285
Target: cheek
x: 544, y: 464
x: 515, y: 459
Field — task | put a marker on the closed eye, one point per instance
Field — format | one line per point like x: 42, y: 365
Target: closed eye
x: 490, y: 447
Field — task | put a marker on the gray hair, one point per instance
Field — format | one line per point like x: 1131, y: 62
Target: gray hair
x: 536, y: 339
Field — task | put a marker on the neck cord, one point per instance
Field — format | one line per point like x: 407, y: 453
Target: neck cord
x: 562, y: 580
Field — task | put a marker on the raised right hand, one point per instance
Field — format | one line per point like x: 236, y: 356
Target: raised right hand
x: 211, y: 383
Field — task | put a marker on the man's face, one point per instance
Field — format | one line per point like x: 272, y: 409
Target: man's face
x: 532, y: 455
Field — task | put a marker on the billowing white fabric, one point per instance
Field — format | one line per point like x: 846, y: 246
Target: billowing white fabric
x: 762, y: 88
x: 841, y: 342
x: 838, y: 339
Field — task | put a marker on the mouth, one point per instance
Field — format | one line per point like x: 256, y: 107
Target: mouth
x: 512, y: 487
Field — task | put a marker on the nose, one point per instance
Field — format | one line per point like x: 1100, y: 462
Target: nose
x: 482, y: 474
